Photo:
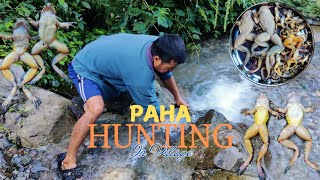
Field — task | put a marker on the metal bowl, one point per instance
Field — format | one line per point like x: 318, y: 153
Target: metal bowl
x: 238, y: 56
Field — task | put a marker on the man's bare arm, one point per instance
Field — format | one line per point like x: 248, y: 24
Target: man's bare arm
x: 172, y: 87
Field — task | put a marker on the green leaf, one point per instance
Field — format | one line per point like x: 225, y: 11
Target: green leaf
x: 203, y: 14
x: 169, y: 22
x: 180, y: 12
x: 161, y: 12
x: 195, y: 36
x: 50, y: 53
x: 29, y: 6
x: 164, y: 11
x: 86, y: 4
x: 61, y: 2
x: 79, y: 42
x: 207, y: 27
x: 195, y: 30
x: 65, y: 6
x: 167, y: 3
x: 77, y: 15
x: 124, y: 24
x: 162, y: 21
x: 123, y: 30
x: 139, y: 26
x: 81, y: 25
x: 55, y: 83
x: 134, y: 11
x: 8, y: 24
x: 190, y: 15
x: 37, y: 16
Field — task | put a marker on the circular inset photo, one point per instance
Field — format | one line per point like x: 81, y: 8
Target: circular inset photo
x: 271, y: 43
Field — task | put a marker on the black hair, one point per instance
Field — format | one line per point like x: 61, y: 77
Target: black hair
x: 169, y: 47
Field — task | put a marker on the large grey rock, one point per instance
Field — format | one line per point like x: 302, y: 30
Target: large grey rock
x: 219, y: 174
x: 119, y: 174
x: 2, y: 176
x: 225, y: 175
x: 164, y: 95
x: 22, y: 176
x: 113, y: 118
x: 4, y: 143
x: 46, y: 125
x: 206, y: 158
x: 2, y: 161
x: 48, y: 175
x: 227, y: 158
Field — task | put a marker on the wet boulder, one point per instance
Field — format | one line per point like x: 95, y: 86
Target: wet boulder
x: 213, y: 156
x: 227, y: 158
x: 119, y: 174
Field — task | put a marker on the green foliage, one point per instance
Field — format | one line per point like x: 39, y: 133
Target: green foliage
x: 191, y: 19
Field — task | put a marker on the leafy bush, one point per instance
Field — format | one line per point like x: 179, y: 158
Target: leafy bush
x: 191, y: 19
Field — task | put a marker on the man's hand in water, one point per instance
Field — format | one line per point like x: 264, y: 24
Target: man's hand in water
x: 172, y: 86
x: 180, y: 101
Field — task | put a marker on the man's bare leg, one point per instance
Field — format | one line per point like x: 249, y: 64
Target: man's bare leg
x: 80, y: 130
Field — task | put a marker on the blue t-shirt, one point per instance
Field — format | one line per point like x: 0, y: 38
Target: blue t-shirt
x: 121, y: 60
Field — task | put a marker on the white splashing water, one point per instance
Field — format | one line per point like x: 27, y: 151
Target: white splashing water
x: 226, y: 96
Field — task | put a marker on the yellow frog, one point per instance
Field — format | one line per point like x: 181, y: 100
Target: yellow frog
x: 48, y: 25
x: 261, y: 116
x: 20, y: 38
x: 294, y: 115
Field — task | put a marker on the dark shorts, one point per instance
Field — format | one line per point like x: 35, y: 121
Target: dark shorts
x: 85, y: 87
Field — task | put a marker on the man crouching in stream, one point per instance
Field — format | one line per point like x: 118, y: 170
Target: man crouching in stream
x: 114, y: 64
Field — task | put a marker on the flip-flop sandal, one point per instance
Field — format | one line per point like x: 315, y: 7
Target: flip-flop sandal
x: 60, y: 158
x: 71, y: 174
x: 68, y: 174
x: 76, y: 110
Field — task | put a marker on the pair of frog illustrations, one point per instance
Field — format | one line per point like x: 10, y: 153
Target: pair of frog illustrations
x: 294, y: 115
x: 47, y: 28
